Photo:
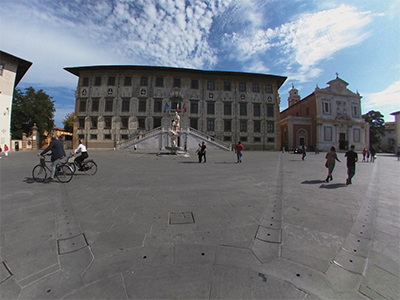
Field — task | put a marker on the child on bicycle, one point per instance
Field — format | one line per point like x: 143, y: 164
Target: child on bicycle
x: 84, y: 154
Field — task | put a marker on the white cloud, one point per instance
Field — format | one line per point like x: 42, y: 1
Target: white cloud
x: 388, y: 97
x: 306, y: 41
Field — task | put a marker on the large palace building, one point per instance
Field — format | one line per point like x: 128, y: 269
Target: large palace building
x: 132, y: 107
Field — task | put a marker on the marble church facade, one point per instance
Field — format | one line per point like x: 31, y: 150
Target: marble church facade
x: 327, y: 117
x: 117, y: 103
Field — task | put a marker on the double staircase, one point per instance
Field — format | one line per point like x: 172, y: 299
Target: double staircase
x: 192, y: 135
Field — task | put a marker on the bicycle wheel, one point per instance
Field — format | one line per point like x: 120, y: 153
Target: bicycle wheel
x: 90, y: 167
x: 64, y: 173
x: 39, y: 173
x: 72, y: 166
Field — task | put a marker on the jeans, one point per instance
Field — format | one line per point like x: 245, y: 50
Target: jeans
x: 239, y: 156
x: 351, y: 171
x: 53, y: 167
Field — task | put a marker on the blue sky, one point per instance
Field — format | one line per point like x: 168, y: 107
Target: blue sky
x: 308, y: 41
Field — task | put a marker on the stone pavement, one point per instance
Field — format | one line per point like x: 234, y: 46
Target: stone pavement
x: 167, y: 227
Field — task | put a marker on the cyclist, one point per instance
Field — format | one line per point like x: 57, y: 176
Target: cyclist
x: 57, y: 153
x: 84, y: 154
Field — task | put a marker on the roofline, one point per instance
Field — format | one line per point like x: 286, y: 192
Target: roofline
x: 395, y: 113
x: 76, y: 71
x: 23, y: 66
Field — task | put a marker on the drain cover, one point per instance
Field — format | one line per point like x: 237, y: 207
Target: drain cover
x: 72, y: 244
x: 177, y: 218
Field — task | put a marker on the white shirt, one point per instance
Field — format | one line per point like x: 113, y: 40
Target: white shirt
x: 81, y: 148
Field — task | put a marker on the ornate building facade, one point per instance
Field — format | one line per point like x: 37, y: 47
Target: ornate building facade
x: 118, y: 104
x: 327, y: 117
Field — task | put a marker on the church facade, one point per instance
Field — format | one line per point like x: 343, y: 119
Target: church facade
x: 327, y: 117
x: 116, y: 104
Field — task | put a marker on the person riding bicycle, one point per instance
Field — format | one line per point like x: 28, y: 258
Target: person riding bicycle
x: 57, y: 153
x: 84, y: 154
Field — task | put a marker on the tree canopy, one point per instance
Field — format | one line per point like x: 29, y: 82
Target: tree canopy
x: 69, y: 122
x: 377, y: 128
x: 31, y: 107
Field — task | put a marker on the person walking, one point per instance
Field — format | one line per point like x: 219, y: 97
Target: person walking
x: 352, y: 158
x: 198, y: 151
x: 239, y: 152
x: 364, y: 153
x: 5, y: 150
x: 1, y: 150
x: 303, y: 148
x: 57, y: 153
x: 331, y: 158
x: 203, y: 151
x: 373, y: 153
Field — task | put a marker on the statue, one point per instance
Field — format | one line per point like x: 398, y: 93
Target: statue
x: 176, y: 122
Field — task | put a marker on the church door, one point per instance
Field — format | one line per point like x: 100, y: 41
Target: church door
x: 343, y: 143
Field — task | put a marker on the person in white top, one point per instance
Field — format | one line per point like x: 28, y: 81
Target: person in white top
x: 84, y: 154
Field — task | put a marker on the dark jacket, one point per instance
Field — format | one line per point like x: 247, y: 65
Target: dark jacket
x: 57, y: 150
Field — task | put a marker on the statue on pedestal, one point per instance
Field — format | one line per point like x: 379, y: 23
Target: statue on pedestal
x: 176, y: 121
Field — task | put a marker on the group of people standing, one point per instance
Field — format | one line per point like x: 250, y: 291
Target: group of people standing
x: 5, y: 150
x: 331, y: 158
x: 369, y: 154
x: 201, y: 152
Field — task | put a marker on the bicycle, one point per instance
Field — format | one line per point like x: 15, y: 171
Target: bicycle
x: 88, y: 165
x: 63, y: 172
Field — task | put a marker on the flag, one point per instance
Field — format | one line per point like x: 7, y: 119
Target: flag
x: 177, y: 107
x: 166, y: 106
x: 184, y: 107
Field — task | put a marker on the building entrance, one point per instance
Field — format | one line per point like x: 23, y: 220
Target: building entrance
x: 343, y: 143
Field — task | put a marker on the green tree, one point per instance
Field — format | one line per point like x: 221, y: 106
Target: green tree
x: 377, y: 128
x: 69, y: 122
x: 29, y: 108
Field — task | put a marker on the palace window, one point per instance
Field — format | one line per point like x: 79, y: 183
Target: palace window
x: 257, y: 110
x: 243, y: 126
x: 81, y: 123
x: 125, y: 105
x: 210, y: 85
x: 107, y: 122
x: 107, y: 136
x: 124, y: 123
x: 195, y: 84
x: 194, y: 107
x: 210, y: 125
x: 127, y: 81
x: 257, y: 126
x: 141, y: 123
x: 159, y: 82
x: 111, y: 81
x: 82, y: 106
x: 177, y: 82
x: 95, y: 105
x: 227, y: 86
x: 242, y: 87
x: 210, y: 108
x: 85, y: 81
x: 93, y: 123
x: 97, y: 81
x: 156, y: 122
x: 227, y: 109
x: 143, y: 81
x: 109, y: 105
x: 243, y: 109
x: 326, y: 106
x: 268, y: 89
x: 256, y: 88
x: 93, y: 136
x: 227, y: 125
x: 142, y: 105
x: 270, y: 111
x: 270, y: 127
x: 158, y: 106
x: 124, y: 136
x: 193, y: 123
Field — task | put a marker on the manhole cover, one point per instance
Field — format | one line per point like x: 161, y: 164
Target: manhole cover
x: 177, y: 218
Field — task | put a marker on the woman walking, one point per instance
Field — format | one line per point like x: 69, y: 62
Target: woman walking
x: 331, y: 158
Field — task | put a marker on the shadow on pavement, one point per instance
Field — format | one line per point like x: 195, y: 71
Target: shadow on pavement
x: 313, y: 181
x: 332, y: 186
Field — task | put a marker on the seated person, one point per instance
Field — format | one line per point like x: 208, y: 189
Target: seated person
x: 81, y: 149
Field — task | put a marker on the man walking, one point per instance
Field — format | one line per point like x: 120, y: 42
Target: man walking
x: 203, y: 151
x: 57, y: 153
x: 352, y: 158
x: 238, y: 150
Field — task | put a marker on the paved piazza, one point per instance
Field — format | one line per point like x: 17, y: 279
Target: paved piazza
x: 167, y: 227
